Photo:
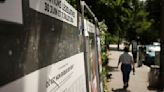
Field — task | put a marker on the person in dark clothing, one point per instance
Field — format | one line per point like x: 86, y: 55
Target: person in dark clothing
x: 134, y: 50
x: 127, y: 64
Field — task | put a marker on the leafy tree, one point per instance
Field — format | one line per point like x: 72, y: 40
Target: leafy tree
x: 126, y: 18
x: 138, y: 21
x: 153, y: 7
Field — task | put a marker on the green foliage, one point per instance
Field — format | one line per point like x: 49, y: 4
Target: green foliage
x: 153, y: 7
x: 73, y: 3
x: 124, y: 18
x: 113, y: 39
x: 103, y: 27
x: 104, y: 58
x: 104, y: 79
x: 103, y: 32
x: 149, y: 36
x: 105, y: 36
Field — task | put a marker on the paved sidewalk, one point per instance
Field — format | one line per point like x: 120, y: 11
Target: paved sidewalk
x: 137, y: 83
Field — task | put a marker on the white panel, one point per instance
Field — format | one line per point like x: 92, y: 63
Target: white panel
x: 65, y: 76
x: 88, y: 26
x: 59, y: 9
x: 11, y: 11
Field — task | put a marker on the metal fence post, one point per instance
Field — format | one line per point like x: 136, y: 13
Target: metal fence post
x: 83, y: 7
x: 85, y: 48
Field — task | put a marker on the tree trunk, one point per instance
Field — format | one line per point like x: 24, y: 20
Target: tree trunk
x: 118, y: 43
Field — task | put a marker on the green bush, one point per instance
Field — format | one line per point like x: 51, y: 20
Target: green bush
x: 104, y: 79
x: 104, y: 59
x: 112, y: 39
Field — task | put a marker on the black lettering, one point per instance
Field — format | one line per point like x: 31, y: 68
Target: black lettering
x: 68, y: 10
x: 71, y: 20
x: 59, y: 13
x: 46, y: 7
x: 52, y: 81
x: 47, y: 83
x: 64, y: 16
x: 51, y: 9
x: 55, y: 2
x: 64, y: 72
x: 55, y: 11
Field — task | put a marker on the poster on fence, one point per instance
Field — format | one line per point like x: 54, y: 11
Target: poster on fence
x: 45, y: 54
x: 65, y: 76
x: 90, y: 28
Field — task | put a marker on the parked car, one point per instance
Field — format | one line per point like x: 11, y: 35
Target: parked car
x: 150, y: 51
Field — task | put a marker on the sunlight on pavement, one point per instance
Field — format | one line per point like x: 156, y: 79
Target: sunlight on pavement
x: 138, y: 82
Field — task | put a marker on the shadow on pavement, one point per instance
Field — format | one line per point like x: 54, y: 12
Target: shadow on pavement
x: 112, y: 69
x: 155, y: 89
x: 120, y: 90
x: 115, y: 49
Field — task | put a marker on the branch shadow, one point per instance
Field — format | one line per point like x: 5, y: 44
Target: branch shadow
x: 112, y: 69
x: 120, y: 90
x: 153, y: 88
x: 115, y: 49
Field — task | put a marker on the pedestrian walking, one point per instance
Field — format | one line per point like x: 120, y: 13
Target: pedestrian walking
x: 134, y: 50
x: 127, y: 64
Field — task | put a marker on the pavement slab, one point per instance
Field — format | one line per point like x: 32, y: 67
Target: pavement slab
x: 137, y: 82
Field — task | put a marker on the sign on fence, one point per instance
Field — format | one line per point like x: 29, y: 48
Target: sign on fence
x: 65, y: 76
x: 59, y: 9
